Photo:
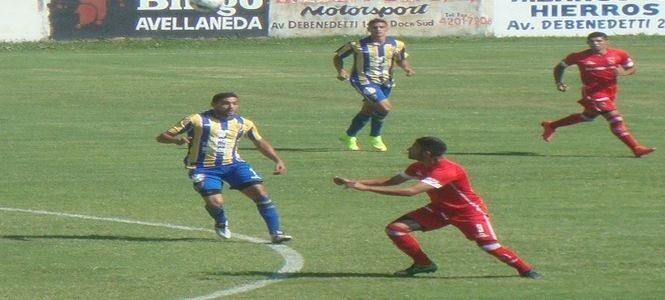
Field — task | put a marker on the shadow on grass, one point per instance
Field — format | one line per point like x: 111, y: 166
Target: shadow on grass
x: 499, y: 153
x: 305, y: 149
x: 311, y: 149
x: 99, y: 237
x: 534, y: 154
x: 496, y: 153
x: 348, y: 275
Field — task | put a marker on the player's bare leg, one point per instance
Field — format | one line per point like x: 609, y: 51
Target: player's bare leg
x: 549, y: 127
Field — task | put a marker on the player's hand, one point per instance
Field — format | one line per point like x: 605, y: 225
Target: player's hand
x: 280, y: 168
x: 182, y: 140
x: 356, y: 185
x: 562, y: 87
x: 340, y: 180
x: 621, y: 71
x: 410, y: 72
x: 342, y: 75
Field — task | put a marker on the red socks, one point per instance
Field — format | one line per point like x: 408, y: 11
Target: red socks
x: 619, y: 129
x: 509, y: 257
x: 408, y: 244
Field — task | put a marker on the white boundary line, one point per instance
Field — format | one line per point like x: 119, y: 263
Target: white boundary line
x: 293, y: 261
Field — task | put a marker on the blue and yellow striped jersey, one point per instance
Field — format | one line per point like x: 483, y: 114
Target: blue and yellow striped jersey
x: 373, y: 62
x: 213, y: 141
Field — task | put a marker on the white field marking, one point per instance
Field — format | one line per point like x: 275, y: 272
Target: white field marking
x: 293, y: 261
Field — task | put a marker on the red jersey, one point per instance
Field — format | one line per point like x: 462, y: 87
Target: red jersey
x: 597, y: 71
x: 453, y: 195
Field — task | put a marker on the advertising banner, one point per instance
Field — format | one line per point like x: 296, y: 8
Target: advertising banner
x: 99, y: 19
x: 303, y: 18
x: 578, y: 17
x: 23, y: 21
x: 80, y: 19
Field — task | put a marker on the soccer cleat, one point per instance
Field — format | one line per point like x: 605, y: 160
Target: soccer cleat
x: 415, y: 269
x: 350, y: 142
x: 548, y: 131
x: 640, y: 151
x: 223, y: 231
x: 531, y: 274
x: 278, y: 237
x: 377, y: 143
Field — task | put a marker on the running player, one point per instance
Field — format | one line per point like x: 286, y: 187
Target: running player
x: 372, y: 76
x: 599, y: 68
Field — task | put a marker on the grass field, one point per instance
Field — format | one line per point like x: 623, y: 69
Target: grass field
x: 78, y: 122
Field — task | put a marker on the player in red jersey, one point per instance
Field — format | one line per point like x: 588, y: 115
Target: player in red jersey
x: 599, y: 68
x: 452, y: 202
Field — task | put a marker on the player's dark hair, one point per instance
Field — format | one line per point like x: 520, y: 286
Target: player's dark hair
x: 221, y: 96
x: 596, y: 34
x: 432, y: 144
x: 376, y: 20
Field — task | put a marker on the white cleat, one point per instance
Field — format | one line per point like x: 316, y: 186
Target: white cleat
x: 279, y: 237
x: 223, y: 231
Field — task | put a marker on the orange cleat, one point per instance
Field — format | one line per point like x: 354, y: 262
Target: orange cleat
x: 640, y: 151
x: 548, y: 131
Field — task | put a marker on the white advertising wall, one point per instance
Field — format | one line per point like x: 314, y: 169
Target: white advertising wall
x: 23, y: 20
x: 578, y: 17
x: 34, y: 20
x: 301, y: 18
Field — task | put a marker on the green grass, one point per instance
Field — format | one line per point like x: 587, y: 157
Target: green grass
x: 78, y: 122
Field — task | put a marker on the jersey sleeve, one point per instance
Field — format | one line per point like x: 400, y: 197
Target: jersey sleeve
x: 183, y: 126
x: 571, y: 59
x: 626, y: 60
x: 345, y: 50
x: 400, y: 51
x: 444, y: 176
x: 437, y: 179
x: 251, y: 131
x: 410, y: 171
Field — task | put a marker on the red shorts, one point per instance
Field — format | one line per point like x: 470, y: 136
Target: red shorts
x: 476, y: 227
x: 597, y: 105
x: 599, y: 101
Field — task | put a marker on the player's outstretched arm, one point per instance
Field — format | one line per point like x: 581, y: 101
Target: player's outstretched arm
x: 268, y: 151
x: 168, y: 138
x: 340, y: 180
x: 406, y: 191
x: 381, y: 181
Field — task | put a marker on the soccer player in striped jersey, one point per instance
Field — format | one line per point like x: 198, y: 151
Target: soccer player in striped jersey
x: 212, y: 159
x: 599, y: 68
x: 452, y: 202
x: 372, y: 76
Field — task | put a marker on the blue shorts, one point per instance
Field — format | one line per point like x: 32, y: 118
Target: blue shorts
x: 373, y: 92
x: 210, y: 180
